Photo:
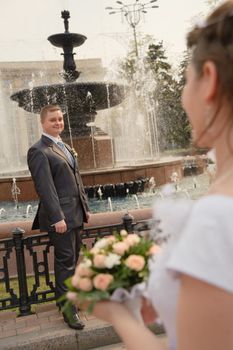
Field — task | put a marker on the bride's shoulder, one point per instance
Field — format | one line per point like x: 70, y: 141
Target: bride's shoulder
x: 170, y: 216
x: 213, y: 202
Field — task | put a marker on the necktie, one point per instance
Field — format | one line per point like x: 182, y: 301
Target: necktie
x: 66, y: 152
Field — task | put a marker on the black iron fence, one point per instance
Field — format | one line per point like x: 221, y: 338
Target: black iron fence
x: 32, y: 256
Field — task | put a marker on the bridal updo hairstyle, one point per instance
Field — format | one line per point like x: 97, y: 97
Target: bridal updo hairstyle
x: 212, y: 40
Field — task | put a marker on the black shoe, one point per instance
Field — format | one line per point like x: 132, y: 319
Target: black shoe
x: 70, y: 315
x: 60, y: 306
x: 74, y: 321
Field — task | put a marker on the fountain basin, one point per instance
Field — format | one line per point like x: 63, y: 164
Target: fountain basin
x: 188, y: 187
x: 160, y: 170
x: 98, y: 219
x: 66, y: 39
x: 73, y: 97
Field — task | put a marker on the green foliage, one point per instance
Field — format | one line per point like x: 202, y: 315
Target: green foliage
x: 141, y: 248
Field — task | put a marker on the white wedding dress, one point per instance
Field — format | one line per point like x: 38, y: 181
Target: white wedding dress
x: 199, y: 243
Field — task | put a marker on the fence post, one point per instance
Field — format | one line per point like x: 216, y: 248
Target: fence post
x: 128, y: 222
x: 25, y: 307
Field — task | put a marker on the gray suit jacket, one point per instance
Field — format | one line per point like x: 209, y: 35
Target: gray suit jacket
x: 58, y: 185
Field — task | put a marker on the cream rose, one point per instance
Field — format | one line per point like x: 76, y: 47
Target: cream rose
x: 99, y: 261
x: 123, y: 233
x: 102, y: 281
x: 83, y: 271
x: 101, y: 243
x: 86, y: 262
x: 112, y: 260
x: 132, y: 239
x: 135, y: 262
x: 85, y: 284
x: 154, y: 249
x: 75, y: 280
x: 111, y: 239
x: 94, y: 250
x: 120, y: 248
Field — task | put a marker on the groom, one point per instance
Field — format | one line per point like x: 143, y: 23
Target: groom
x: 63, y: 204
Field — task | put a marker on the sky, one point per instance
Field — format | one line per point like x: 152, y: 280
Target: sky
x: 26, y: 24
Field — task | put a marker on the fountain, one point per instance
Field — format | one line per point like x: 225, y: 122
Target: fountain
x: 100, y: 193
x: 79, y: 100
x: 15, y: 191
x: 2, y: 211
x: 152, y: 184
x: 136, y: 200
x: 110, y: 203
x: 29, y: 210
x: 97, y: 150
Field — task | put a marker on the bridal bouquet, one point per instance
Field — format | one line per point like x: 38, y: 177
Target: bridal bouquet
x: 115, y: 268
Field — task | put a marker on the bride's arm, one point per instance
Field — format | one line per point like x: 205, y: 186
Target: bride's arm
x: 204, y: 316
x: 135, y: 335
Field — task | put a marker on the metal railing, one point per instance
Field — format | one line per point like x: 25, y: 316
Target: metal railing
x: 20, y: 254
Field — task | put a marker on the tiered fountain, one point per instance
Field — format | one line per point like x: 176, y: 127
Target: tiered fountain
x: 80, y: 102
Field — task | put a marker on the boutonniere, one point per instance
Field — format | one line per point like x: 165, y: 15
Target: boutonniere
x: 74, y: 153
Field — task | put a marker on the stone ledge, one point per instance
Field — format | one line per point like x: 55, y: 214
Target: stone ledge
x: 96, y: 334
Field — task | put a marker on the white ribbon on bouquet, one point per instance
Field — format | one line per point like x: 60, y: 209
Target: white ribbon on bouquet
x: 131, y: 299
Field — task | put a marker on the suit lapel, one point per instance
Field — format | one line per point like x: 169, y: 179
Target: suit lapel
x: 56, y: 148
x: 75, y: 160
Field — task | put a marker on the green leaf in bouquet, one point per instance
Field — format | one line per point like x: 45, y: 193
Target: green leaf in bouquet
x: 118, y: 284
x: 93, y: 297
x: 124, y: 273
x: 144, y: 274
x: 88, y: 254
x: 62, y: 299
x: 100, y: 269
x: 68, y: 283
x: 141, y: 248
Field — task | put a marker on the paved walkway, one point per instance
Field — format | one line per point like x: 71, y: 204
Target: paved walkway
x: 46, y: 330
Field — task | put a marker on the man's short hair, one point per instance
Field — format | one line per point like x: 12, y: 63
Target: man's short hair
x: 48, y: 108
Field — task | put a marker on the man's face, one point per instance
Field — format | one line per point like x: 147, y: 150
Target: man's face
x: 53, y: 123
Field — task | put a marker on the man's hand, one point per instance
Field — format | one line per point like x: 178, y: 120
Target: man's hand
x: 88, y: 215
x: 60, y: 226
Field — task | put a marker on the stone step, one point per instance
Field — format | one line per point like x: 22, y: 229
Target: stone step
x: 46, y: 330
x: 106, y: 338
x: 118, y: 346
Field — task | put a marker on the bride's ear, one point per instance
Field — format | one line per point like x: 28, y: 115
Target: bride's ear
x: 210, y: 81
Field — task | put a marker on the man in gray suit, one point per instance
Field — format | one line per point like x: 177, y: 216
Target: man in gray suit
x: 63, y: 204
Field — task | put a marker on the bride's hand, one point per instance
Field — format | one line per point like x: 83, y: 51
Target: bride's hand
x: 108, y: 311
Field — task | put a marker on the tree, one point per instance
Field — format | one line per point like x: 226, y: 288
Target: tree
x: 175, y: 125
x: 158, y: 91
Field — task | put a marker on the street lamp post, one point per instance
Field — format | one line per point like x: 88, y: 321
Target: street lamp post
x: 133, y: 14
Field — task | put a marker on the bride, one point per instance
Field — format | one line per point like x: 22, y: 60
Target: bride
x: 191, y: 285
